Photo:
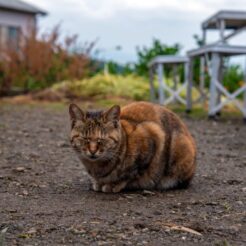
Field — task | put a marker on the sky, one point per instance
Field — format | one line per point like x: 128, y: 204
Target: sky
x: 132, y: 23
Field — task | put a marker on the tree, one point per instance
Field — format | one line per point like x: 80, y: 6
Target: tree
x: 146, y: 54
x: 199, y: 41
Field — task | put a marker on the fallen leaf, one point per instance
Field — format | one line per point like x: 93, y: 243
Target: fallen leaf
x: 24, y: 236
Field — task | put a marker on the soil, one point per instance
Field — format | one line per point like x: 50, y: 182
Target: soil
x: 45, y: 195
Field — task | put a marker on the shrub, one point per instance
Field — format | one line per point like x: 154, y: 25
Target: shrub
x: 105, y: 86
x: 40, y: 62
x: 233, y: 78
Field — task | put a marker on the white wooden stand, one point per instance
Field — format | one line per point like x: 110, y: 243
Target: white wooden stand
x: 217, y: 52
x: 166, y: 94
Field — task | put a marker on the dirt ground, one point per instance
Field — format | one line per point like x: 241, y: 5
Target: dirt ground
x: 45, y: 196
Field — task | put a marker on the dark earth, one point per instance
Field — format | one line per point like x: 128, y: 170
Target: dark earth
x: 45, y: 195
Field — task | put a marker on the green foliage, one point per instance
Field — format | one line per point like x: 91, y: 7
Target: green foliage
x: 199, y: 41
x: 111, y: 67
x: 145, y: 55
x: 106, y: 86
x: 233, y: 78
x: 116, y: 68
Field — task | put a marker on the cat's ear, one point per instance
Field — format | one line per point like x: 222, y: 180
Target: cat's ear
x: 113, y: 114
x: 76, y: 113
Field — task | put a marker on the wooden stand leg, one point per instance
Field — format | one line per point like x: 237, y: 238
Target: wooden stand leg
x: 175, y: 81
x: 213, y: 90
x: 152, y: 89
x: 202, y: 80
x: 220, y: 80
x: 189, y: 79
x: 244, y: 98
x: 161, y: 82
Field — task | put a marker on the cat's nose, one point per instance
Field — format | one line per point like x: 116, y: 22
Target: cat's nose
x: 93, y: 149
x: 93, y: 152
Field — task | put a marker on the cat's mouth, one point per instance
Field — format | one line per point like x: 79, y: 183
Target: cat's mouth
x: 93, y: 157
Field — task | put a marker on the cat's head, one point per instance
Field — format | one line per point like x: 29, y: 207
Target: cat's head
x: 95, y: 135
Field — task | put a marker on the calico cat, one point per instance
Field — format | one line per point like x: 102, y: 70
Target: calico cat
x: 141, y: 146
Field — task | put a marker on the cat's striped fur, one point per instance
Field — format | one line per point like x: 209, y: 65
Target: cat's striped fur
x: 141, y: 146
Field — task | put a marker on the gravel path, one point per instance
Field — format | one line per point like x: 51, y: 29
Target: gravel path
x: 45, y: 198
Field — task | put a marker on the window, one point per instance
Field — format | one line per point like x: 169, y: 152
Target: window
x: 2, y: 36
x: 13, y: 37
x: 9, y: 37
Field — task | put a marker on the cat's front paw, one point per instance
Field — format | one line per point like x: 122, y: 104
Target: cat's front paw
x: 96, y: 186
x: 115, y: 188
x: 107, y: 188
x: 119, y: 187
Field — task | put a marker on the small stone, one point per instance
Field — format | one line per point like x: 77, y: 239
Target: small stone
x: 147, y: 192
x: 47, y: 129
x: 32, y: 231
x: 62, y: 144
x: 129, y: 196
x: 239, y: 202
x: 20, y: 169
x: 157, y: 213
x: 235, y: 228
x: 25, y: 192
x: 101, y: 243
x: 4, y: 230
x: 42, y: 186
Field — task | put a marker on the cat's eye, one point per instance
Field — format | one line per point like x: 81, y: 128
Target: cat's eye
x: 87, y: 140
x: 99, y: 140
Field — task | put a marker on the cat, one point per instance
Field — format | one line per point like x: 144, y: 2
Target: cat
x: 139, y: 146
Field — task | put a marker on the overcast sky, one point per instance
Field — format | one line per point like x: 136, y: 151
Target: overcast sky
x: 132, y: 23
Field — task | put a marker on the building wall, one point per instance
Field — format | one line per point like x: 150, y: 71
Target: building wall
x: 10, y: 19
x: 22, y: 20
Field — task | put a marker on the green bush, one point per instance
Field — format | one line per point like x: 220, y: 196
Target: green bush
x: 146, y: 54
x: 105, y: 86
x: 233, y: 78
